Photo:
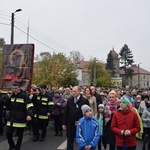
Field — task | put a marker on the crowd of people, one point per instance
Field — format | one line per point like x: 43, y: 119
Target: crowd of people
x: 99, y: 118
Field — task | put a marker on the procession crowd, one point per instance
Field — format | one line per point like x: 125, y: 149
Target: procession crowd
x: 96, y: 118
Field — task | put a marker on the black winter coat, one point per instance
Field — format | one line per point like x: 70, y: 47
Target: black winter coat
x: 73, y: 114
x: 98, y: 98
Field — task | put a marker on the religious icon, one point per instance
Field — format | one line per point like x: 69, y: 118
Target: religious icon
x: 17, y: 64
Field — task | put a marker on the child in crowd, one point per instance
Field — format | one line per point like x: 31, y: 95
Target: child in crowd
x: 88, y: 132
x: 100, y: 117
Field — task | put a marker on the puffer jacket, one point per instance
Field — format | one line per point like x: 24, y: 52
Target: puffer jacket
x: 87, y: 132
x: 125, y: 121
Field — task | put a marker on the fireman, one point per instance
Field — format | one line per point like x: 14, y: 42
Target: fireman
x: 42, y: 108
x: 19, y: 110
x: 3, y: 97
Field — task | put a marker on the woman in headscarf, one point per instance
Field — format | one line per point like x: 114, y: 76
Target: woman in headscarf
x: 59, y: 105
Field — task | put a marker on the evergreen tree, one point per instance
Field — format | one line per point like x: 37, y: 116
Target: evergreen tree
x: 126, y: 59
x: 110, y: 64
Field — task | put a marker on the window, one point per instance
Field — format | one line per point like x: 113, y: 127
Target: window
x: 147, y: 83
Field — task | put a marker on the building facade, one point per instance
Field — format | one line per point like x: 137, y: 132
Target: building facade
x: 140, y: 78
x: 83, y: 73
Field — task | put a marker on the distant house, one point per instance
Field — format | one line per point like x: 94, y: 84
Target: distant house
x: 83, y: 73
x: 139, y: 78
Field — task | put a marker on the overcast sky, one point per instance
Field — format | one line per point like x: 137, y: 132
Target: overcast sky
x: 92, y: 27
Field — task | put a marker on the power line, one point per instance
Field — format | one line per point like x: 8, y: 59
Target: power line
x: 21, y: 22
x: 37, y: 40
x: 4, y: 15
x: 44, y: 36
x: 4, y: 18
x: 35, y: 32
x: 32, y: 37
x: 4, y: 12
x: 4, y: 23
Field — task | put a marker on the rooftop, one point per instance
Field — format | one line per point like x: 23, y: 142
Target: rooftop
x: 135, y: 68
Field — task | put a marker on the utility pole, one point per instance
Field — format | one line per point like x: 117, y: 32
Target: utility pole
x: 139, y: 75
x: 12, y: 29
x: 12, y: 26
x: 28, y: 32
x: 125, y: 70
x: 94, y: 71
x: 125, y: 75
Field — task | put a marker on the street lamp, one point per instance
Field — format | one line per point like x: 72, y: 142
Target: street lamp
x: 139, y: 75
x: 12, y: 26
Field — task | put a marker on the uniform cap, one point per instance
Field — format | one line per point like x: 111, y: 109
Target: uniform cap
x: 43, y: 87
x: 16, y: 85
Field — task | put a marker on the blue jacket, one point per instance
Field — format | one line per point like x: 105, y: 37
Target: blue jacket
x: 87, y: 132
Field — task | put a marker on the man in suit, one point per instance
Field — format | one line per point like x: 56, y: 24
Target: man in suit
x: 72, y: 115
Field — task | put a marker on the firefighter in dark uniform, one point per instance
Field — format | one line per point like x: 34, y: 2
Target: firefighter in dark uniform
x: 43, y: 105
x: 19, y: 110
x: 3, y: 97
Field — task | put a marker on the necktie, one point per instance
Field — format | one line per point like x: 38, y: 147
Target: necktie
x: 75, y: 100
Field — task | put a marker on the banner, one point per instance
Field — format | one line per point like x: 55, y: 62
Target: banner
x: 17, y: 65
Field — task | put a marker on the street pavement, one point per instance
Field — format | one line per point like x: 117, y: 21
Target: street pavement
x: 51, y: 142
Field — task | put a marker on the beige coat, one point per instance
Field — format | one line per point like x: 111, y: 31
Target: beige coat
x: 93, y: 104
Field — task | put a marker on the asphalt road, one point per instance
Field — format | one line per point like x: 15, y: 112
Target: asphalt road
x: 51, y: 142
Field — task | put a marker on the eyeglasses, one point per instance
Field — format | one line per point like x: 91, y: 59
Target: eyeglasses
x: 111, y: 97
